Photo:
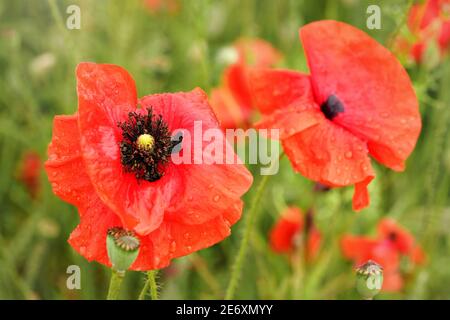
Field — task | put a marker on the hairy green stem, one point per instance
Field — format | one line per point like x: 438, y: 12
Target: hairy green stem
x: 115, y: 284
x: 393, y: 36
x: 248, y: 227
x: 150, y: 284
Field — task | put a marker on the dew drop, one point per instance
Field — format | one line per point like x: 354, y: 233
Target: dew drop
x: 173, y: 246
x: 216, y: 198
x: 348, y: 154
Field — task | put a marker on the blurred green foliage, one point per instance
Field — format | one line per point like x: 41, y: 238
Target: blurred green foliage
x: 178, y: 51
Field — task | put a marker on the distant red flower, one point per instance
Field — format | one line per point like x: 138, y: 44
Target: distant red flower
x: 232, y: 101
x: 112, y: 161
x: 155, y: 6
x: 29, y: 171
x: 357, y: 101
x: 392, y: 242
x: 287, y: 232
x: 428, y: 21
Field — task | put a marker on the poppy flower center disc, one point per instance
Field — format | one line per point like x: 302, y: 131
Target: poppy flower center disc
x: 146, y: 145
x: 332, y: 107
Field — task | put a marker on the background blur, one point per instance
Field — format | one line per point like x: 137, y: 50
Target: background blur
x: 176, y: 48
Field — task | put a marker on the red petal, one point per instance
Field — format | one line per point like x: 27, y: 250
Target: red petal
x: 170, y: 240
x: 314, y: 241
x: 229, y: 113
x: 403, y: 240
x: 173, y: 239
x: 65, y: 167
x: 386, y: 255
x: 205, y: 190
x: 444, y: 37
x: 361, y: 197
x: 89, y: 237
x: 418, y: 255
x: 108, y: 89
x: 380, y: 103
x: 283, y: 233
x: 357, y: 248
x: 331, y: 155
x: 392, y: 282
x: 274, y: 90
x: 236, y: 79
x: 290, y: 120
x: 257, y: 52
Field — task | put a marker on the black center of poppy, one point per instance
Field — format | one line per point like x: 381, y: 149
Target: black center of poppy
x: 146, y: 145
x: 392, y: 236
x: 332, y: 107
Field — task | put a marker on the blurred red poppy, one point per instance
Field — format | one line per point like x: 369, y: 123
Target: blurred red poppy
x: 155, y: 6
x: 29, y: 171
x: 392, y: 242
x: 428, y: 21
x: 357, y: 101
x: 232, y: 101
x: 112, y: 161
x: 287, y: 232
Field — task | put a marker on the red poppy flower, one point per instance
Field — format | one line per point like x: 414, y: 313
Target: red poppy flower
x: 392, y: 242
x: 286, y: 233
x: 428, y: 22
x: 29, y: 171
x: 357, y: 101
x: 112, y: 161
x: 232, y: 101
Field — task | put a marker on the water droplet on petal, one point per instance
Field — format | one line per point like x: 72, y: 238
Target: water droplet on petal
x: 216, y: 198
x: 348, y: 154
x: 173, y: 246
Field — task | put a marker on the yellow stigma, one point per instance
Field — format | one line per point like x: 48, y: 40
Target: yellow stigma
x: 145, y: 142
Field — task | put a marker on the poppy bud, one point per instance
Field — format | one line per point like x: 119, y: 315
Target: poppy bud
x: 123, y: 248
x: 369, y: 279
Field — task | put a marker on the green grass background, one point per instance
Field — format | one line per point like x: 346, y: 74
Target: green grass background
x: 174, y: 52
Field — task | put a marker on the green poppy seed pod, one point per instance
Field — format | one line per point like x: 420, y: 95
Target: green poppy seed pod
x: 122, y: 247
x: 369, y: 279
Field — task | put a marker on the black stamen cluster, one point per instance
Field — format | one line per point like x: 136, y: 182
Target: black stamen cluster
x: 145, y: 164
x: 332, y: 107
